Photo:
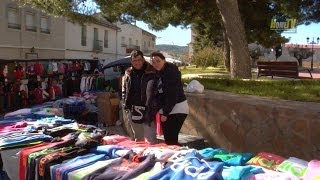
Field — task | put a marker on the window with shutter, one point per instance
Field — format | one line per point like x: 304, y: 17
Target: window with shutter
x: 13, y: 18
x: 30, y: 22
x: 84, y: 35
x: 44, y: 25
x: 106, y: 38
x: 130, y: 41
x: 123, y: 42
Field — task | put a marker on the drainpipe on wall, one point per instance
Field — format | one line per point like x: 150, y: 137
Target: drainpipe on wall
x: 20, y: 34
x: 116, y: 44
x: 117, y: 53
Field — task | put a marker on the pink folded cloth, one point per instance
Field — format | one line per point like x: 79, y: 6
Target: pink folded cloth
x: 313, y: 170
x: 20, y: 124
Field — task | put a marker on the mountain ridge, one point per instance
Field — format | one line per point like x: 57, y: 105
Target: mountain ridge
x: 173, y: 50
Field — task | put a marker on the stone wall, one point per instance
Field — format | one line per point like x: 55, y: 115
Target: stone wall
x: 252, y: 124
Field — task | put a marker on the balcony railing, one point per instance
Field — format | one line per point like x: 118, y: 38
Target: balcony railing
x: 146, y: 51
x: 97, y: 45
x: 14, y: 26
x: 45, y: 30
x: 124, y: 45
x: 135, y: 47
x: 31, y: 28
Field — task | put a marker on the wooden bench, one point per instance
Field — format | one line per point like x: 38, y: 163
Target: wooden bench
x: 289, y: 69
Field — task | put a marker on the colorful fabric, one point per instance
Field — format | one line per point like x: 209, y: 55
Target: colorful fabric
x: 313, y: 170
x: 80, y: 174
x: 21, y: 139
x: 128, y: 167
x: 266, y: 160
x: 60, y: 172
x: 294, y: 166
x: 192, y: 166
x: 239, y: 172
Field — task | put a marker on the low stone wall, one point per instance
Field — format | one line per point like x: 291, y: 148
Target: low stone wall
x: 242, y: 123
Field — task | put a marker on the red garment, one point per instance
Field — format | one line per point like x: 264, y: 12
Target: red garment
x: 18, y: 73
x: 30, y: 70
x: 24, y: 157
x: 77, y: 66
x: 19, y: 126
x: 1, y: 90
x: 1, y: 71
x: 62, y: 68
x: 24, y: 153
x: 24, y: 98
x: 38, y: 95
x: 133, y: 144
x: 57, y: 90
x: 38, y: 69
x: 114, y: 139
x: 52, y: 93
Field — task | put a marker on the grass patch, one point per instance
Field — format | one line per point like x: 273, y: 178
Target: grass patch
x: 194, y: 70
x: 297, y: 90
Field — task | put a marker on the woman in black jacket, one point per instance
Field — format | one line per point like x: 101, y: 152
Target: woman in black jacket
x: 170, y: 97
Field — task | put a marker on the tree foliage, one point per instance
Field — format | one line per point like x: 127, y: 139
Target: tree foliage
x: 208, y: 57
x: 207, y: 16
x: 300, y: 53
x: 256, y: 16
x: 75, y: 10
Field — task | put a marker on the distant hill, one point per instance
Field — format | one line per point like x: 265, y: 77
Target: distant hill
x: 173, y: 50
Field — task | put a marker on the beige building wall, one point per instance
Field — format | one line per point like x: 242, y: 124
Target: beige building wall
x: 75, y: 50
x: 127, y: 32
x: 15, y: 43
x: 148, y: 42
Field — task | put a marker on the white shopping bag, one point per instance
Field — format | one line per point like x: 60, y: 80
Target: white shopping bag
x: 195, y: 87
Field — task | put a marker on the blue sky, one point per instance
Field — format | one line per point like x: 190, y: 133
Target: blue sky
x: 171, y: 35
x: 178, y: 36
x: 303, y: 31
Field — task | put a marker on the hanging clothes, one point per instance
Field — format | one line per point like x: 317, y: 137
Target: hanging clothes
x: 38, y: 69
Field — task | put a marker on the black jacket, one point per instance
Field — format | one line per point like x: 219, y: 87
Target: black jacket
x: 169, y: 88
x: 134, y: 88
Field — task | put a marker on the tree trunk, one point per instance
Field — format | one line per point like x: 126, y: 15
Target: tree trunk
x: 300, y: 62
x: 239, y: 56
x: 226, y: 51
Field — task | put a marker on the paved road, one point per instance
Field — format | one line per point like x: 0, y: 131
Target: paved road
x: 315, y: 74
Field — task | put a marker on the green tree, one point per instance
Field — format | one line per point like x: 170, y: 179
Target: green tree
x: 208, y: 57
x: 300, y: 53
x: 256, y: 16
x: 159, y: 14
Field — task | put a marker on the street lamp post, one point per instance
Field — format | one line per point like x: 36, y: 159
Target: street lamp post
x: 312, y: 43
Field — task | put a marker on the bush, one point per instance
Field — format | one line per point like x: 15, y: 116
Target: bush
x: 208, y: 57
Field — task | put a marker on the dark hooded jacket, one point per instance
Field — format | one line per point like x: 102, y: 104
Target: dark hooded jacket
x: 169, y: 88
x: 138, y: 89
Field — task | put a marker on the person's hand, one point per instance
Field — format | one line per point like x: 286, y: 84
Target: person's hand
x: 163, y: 118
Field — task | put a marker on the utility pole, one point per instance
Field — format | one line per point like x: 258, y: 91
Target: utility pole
x: 312, y: 44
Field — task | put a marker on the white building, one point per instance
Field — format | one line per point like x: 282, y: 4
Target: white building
x: 28, y: 33
x: 129, y: 38
x: 91, y: 40
x: 148, y: 42
x: 132, y: 37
